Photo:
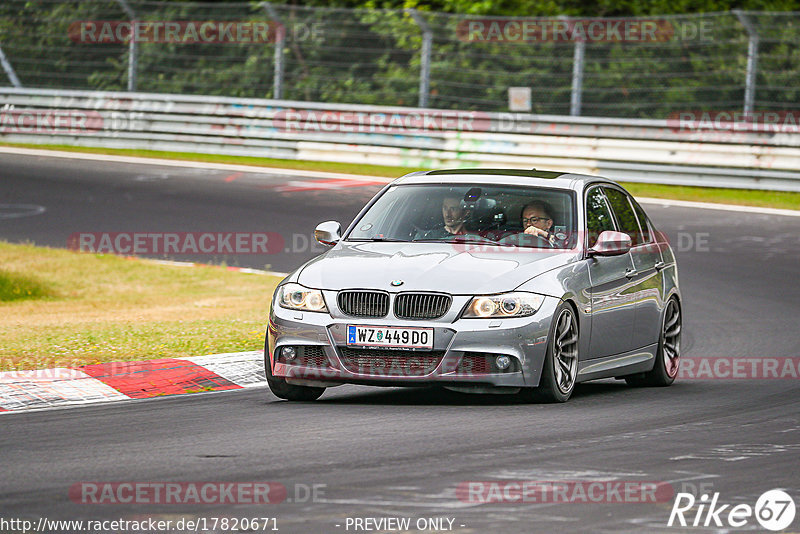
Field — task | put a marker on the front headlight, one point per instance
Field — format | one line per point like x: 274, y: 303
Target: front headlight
x: 297, y: 297
x: 517, y: 304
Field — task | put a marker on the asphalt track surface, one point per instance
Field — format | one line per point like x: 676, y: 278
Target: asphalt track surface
x: 403, y: 452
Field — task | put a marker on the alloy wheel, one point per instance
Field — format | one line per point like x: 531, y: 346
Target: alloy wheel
x: 672, y: 338
x: 565, y: 351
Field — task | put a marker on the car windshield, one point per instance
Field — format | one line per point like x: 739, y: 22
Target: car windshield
x: 498, y: 214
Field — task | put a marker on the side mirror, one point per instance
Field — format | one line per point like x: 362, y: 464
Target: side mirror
x: 330, y: 232
x: 611, y: 244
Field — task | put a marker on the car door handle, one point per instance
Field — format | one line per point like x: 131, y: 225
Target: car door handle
x: 630, y: 273
x: 660, y: 265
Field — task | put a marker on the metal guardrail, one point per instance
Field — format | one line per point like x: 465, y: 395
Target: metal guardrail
x: 637, y: 150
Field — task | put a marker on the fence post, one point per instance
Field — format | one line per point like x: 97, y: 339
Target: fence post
x: 577, y: 78
x: 280, y: 35
x: 425, y: 57
x: 752, y: 61
x: 133, y: 46
x: 12, y: 76
x: 578, y: 53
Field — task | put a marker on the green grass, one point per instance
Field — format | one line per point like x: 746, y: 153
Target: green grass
x: 347, y: 168
x: 15, y: 286
x: 744, y: 197
x: 103, y: 308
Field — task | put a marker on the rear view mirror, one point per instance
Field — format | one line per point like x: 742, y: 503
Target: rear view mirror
x: 611, y: 243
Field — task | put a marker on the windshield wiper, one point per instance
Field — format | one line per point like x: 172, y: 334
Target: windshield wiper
x: 476, y: 242
x: 466, y: 241
x: 381, y: 239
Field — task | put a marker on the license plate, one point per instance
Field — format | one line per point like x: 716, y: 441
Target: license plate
x: 390, y: 337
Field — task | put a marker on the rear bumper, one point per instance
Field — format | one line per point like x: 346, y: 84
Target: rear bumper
x: 456, y: 343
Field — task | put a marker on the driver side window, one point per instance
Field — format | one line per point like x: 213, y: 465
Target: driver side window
x: 598, y: 215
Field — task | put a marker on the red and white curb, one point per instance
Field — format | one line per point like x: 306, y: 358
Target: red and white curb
x: 116, y: 381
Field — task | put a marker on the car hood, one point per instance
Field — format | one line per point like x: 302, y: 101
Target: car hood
x: 446, y: 267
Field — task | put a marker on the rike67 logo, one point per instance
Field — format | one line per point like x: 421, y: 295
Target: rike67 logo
x: 774, y: 510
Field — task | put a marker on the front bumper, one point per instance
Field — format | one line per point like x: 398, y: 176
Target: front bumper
x: 456, y: 342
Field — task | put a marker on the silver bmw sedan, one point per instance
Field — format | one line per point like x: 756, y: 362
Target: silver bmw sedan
x: 481, y: 280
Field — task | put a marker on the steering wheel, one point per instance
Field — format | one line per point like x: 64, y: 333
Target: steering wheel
x: 523, y: 239
x: 469, y: 236
x: 415, y: 231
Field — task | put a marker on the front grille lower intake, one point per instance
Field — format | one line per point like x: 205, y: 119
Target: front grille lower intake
x: 382, y: 362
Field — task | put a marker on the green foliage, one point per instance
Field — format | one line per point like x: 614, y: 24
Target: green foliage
x: 554, y: 8
x: 372, y: 55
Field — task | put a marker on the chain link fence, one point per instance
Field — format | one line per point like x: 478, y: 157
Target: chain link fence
x: 637, y: 67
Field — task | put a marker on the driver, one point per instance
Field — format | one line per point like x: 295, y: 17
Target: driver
x: 537, y: 220
x: 453, y: 215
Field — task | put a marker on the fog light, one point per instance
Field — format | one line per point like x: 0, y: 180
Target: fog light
x: 502, y: 362
x: 289, y: 353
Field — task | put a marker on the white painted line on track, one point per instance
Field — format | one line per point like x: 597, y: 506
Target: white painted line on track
x: 342, y: 176
x: 188, y: 164
x: 15, y: 211
x: 712, y: 206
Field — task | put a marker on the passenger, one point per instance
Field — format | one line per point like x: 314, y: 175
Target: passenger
x: 537, y: 220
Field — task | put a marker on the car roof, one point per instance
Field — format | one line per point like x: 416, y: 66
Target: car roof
x: 528, y: 177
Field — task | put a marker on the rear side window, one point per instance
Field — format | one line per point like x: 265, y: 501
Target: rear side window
x: 598, y: 216
x: 625, y: 215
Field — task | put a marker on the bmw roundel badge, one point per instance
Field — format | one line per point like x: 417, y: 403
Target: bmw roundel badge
x: 396, y: 283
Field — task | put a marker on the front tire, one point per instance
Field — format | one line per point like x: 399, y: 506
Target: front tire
x: 668, y: 354
x: 285, y: 391
x: 560, y: 371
